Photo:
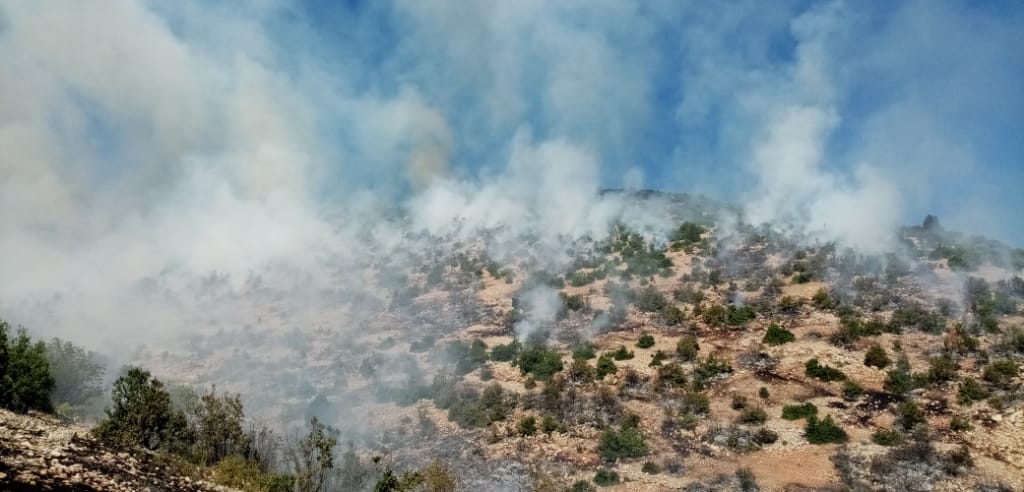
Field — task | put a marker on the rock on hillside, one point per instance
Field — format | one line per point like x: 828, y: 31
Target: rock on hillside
x: 38, y: 452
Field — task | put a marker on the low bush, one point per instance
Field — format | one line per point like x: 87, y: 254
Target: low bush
x: 876, y: 357
x: 752, y: 415
x: 622, y: 354
x: 795, y: 412
x: 646, y: 341
x: 627, y: 442
x: 971, y: 391
x: 687, y: 348
x: 824, y: 431
x: 777, y: 335
x: 885, y: 437
x: 540, y: 362
x: 605, y: 477
x: 824, y: 373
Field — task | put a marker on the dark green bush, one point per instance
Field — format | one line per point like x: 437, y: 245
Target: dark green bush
x: 605, y: 366
x: 672, y: 315
x: 77, y: 373
x: 671, y: 376
x: 876, y: 357
x: 25, y: 380
x: 527, y: 426
x: 794, y: 412
x: 657, y: 358
x: 825, y: 373
x: 506, y: 353
x: 605, y: 477
x: 777, y: 335
x: 584, y: 351
x: 580, y: 372
x: 884, y: 437
x: 142, y: 415
x: 752, y: 415
x: 651, y: 468
x: 711, y: 368
x: 540, y: 361
x: 646, y: 341
x: 650, y: 300
x: 1000, y: 372
x: 622, y: 354
x: 971, y: 391
x: 851, y: 390
x: 687, y: 348
x: 824, y: 431
x: 898, y: 380
x: 909, y: 415
x: 628, y: 442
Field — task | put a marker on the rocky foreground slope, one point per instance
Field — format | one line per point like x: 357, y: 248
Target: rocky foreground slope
x: 38, y: 452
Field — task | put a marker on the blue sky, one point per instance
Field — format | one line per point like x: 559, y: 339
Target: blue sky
x: 675, y: 95
x: 930, y: 93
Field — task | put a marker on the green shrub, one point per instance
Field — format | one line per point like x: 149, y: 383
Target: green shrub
x: 25, y: 380
x: 971, y: 391
x: 739, y: 315
x: 605, y: 477
x: 540, y: 362
x: 672, y: 315
x: 657, y: 358
x: 687, y: 348
x: 142, y: 415
x: 605, y: 366
x: 884, y: 437
x: 825, y: 373
x: 622, y: 354
x: 824, y: 431
x: 898, y: 380
x: 909, y: 415
x: 240, y: 473
x: 752, y: 415
x: 582, y: 486
x: 650, y: 300
x: 876, y: 357
x: 77, y: 373
x: 628, y: 442
x: 777, y: 335
x: 580, y: 372
x: 795, y: 412
x: 763, y: 393
x: 549, y: 424
x: 711, y: 368
x: 765, y: 436
x: 851, y: 390
x: 530, y: 383
x: 694, y: 402
x: 651, y: 468
x: 670, y: 376
x: 959, y: 423
x: 646, y: 341
x: 739, y: 402
x: 218, y: 426
x: 506, y: 353
x: 941, y: 369
x: 1000, y: 372
x: 584, y: 351
x: 527, y: 426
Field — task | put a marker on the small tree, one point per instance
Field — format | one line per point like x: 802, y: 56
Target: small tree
x: 824, y: 431
x: 218, y: 424
x: 312, y: 456
x: 687, y: 348
x: 142, y: 415
x: 876, y: 357
x: 25, y: 381
x: 77, y: 373
x: 777, y: 335
x: 646, y: 341
x: 528, y: 425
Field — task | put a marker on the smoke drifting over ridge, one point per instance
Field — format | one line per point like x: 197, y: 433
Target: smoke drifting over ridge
x: 156, y: 161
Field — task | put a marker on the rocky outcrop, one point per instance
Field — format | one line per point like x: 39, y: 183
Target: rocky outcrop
x: 38, y: 452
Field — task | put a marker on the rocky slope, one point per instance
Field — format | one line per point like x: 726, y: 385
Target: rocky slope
x: 38, y: 452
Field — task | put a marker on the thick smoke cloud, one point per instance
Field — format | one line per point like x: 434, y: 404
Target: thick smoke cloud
x: 159, y: 162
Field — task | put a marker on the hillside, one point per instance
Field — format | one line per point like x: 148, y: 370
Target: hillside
x: 711, y: 356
